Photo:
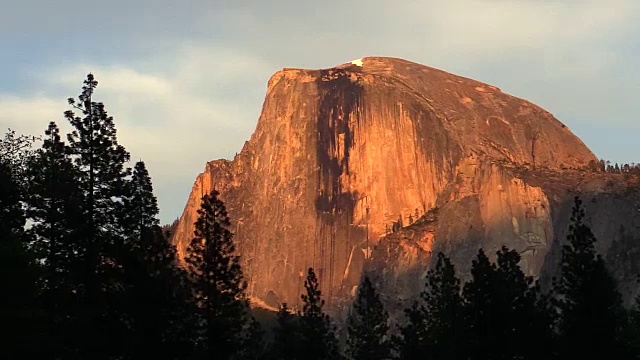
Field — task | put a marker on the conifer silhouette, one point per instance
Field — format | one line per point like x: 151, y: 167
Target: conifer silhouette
x: 287, y: 343
x: 20, y: 318
x: 218, y: 283
x: 157, y: 296
x: 435, y: 324
x: 368, y: 326
x: 100, y: 166
x: 53, y: 206
x: 590, y: 306
x: 317, y: 332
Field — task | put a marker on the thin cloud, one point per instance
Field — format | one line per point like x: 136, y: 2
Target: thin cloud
x: 175, y: 121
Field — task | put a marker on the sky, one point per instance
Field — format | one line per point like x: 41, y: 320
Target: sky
x: 185, y: 81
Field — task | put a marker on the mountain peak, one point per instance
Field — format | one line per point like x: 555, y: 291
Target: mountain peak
x: 342, y: 155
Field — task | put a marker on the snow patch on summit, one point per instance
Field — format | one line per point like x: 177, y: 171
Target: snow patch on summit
x: 357, y: 62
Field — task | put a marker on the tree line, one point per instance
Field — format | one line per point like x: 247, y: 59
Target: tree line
x: 611, y: 168
x: 88, y: 273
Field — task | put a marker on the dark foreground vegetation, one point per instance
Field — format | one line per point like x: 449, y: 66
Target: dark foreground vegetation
x: 88, y: 273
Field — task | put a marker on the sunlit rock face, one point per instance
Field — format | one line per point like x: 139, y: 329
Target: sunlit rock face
x: 339, y: 155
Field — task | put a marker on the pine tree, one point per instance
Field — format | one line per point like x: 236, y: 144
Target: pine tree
x: 505, y: 311
x: 287, y: 338
x: 157, y: 299
x: 435, y: 325
x: 15, y: 152
x: 443, y: 311
x: 20, y: 318
x: 480, y: 307
x: 412, y: 343
x: 140, y: 208
x: 368, y: 326
x: 53, y: 208
x: 590, y: 306
x: 100, y: 164
x: 318, y: 334
x: 522, y: 313
x: 218, y: 282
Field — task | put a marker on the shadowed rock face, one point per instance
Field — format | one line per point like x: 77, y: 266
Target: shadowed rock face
x: 340, y: 155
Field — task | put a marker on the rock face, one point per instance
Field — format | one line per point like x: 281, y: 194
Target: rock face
x: 345, y: 161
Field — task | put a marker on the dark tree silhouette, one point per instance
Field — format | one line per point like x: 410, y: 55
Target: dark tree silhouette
x: 15, y: 152
x: 140, y: 207
x: 412, y: 343
x: 253, y: 346
x: 368, y: 326
x: 504, y: 310
x: 20, y: 317
x: 158, y: 299
x: 53, y: 208
x: 480, y: 308
x: 590, y: 306
x: 435, y: 325
x: 218, y: 282
x: 317, y: 331
x: 522, y: 313
x: 287, y: 344
x: 100, y: 165
x: 443, y: 311
x: 631, y: 336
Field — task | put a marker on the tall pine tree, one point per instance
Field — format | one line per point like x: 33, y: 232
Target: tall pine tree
x: 522, y: 313
x: 317, y: 331
x: 481, y: 306
x: 217, y: 278
x: 443, y: 311
x: 53, y: 208
x: 100, y: 163
x: 157, y: 296
x: 435, y: 325
x: 368, y: 326
x: 588, y: 301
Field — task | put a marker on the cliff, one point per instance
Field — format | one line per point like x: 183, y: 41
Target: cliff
x: 344, y: 160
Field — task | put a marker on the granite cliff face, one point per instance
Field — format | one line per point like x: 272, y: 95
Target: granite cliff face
x: 380, y: 162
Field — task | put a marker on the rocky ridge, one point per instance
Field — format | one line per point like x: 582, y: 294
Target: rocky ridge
x: 344, y: 162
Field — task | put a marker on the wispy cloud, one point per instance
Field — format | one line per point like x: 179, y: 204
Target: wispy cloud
x: 175, y: 120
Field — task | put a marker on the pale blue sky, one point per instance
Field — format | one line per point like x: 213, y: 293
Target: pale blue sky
x: 185, y: 81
